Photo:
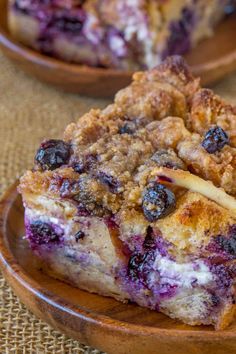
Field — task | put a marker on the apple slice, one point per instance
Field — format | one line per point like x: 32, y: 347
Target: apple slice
x: 194, y: 183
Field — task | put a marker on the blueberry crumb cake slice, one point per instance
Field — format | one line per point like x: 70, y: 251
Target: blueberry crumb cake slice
x: 137, y: 202
x: 114, y: 33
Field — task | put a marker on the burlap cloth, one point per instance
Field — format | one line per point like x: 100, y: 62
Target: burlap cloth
x: 30, y: 111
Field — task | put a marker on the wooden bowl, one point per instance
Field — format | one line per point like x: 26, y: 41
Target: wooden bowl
x: 97, y: 321
x: 211, y: 60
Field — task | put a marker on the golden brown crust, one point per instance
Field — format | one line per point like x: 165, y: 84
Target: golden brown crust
x: 190, y: 227
x: 218, y: 168
x: 208, y: 109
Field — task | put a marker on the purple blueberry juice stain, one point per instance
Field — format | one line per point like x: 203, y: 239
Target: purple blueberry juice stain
x: 179, y: 41
x: 167, y: 290
x: 137, y: 243
x: 74, y: 256
x: 223, y: 247
x: 69, y: 188
x: 221, y: 264
x: 43, y: 233
x: 54, y: 20
x: 110, y: 222
x: 82, y: 210
x: 110, y: 181
x: 141, y: 272
x: 215, y: 300
x: 85, y: 163
x: 162, y: 246
x: 223, y: 279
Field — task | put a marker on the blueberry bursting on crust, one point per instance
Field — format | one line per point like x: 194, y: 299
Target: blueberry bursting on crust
x: 158, y: 201
x: 53, y: 154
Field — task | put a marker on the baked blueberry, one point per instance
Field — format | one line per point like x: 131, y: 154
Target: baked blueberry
x: 79, y: 236
x: 110, y: 181
x: 85, y: 163
x: 127, y: 128
x: 215, y: 139
x: 67, y: 23
x: 134, y: 266
x: 69, y: 188
x: 42, y: 233
x: 139, y: 266
x: 158, y: 201
x: 53, y: 154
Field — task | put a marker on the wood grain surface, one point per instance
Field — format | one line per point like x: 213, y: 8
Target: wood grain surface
x: 97, y: 321
x: 212, y: 59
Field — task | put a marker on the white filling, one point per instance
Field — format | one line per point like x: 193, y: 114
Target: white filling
x: 182, y: 274
x: 37, y: 215
x: 118, y: 46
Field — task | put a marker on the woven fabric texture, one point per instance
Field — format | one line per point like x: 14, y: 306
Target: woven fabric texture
x: 30, y: 111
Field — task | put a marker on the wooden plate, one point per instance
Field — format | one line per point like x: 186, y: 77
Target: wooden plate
x: 97, y: 321
x: 211, y: 59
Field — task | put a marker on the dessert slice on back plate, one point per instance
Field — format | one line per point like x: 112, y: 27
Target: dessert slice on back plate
x: 138, y: 202
x: 114, y: 33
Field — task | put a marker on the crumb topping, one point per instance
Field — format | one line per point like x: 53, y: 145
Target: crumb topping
x: 160, y: 120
